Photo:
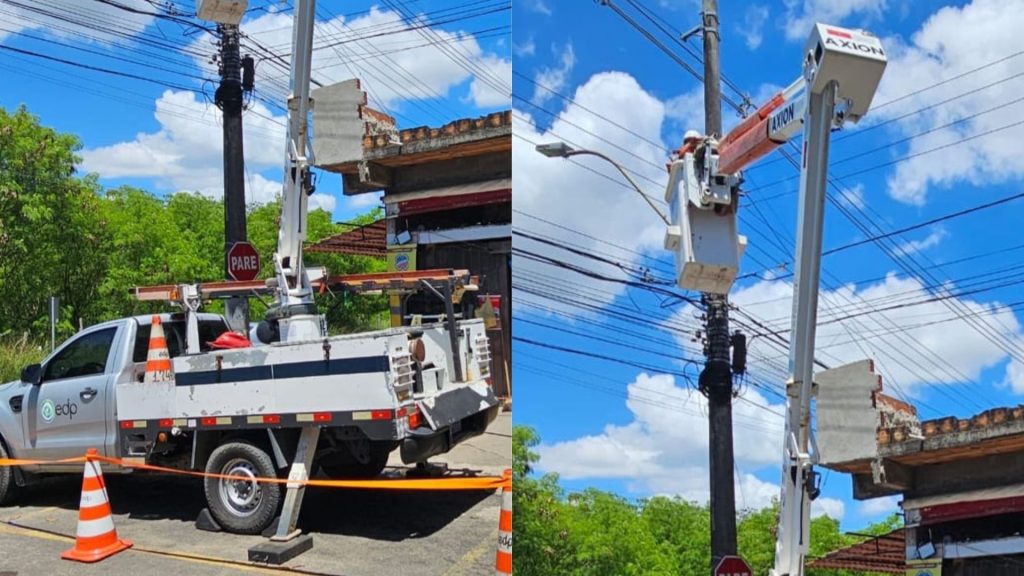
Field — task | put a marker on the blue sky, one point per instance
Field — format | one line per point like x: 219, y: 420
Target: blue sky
x: 940, y: 302
x: 161, y: 133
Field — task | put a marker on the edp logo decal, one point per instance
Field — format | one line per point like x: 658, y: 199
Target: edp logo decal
x: 48, y: 410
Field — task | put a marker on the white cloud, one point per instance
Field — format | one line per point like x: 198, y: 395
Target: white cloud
x: 664, y: 449
x: 528, y: 48
x: 584, y: 200
x: 540, y: 7
x: 802, y: 14
x: 414, y: 67
x: 831, y: 507
x: 262, y: 190
x: 492, y: 92
x: 914, y: 246
x: 752, y: 29
x: 853, y: 196
x: 554, y: 79
x: 15, y: 19
x: 879, y: 506
x: 322, y: 201
x: 947, y: 45
x: 1014, y: 377
x: 687, y: 109
x: 887, y: 336
x: 360, y: 201
x: 186, y: 152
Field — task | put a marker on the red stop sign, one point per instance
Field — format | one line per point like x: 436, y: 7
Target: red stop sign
x: 243, y: 261
x: 733, y: 566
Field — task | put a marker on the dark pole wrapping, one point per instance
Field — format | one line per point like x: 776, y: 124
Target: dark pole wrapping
x: 716, y: 378
x: 229, y: 97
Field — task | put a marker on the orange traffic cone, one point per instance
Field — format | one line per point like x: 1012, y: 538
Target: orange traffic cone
x: 158, y: 361
x: 503, y: 563
x: 96, y: 537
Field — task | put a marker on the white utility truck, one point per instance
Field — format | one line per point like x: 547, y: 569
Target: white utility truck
x: 240, y: 411
x: 301, y: 402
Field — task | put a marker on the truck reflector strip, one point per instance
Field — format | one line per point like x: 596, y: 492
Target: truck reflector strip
x: 314, y: 417
x: 242, y: 421
x: 264, y: 419
x: 839, y: 33
x: 373, y: 415
x: 216, y: 421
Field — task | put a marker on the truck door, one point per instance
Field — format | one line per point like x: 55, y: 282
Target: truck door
x: 67, y: 412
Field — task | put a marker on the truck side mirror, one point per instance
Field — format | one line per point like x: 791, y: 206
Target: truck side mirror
x: 32, y: 374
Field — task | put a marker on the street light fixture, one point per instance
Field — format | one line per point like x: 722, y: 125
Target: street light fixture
x: 563, y: 150
x: 555, y: 149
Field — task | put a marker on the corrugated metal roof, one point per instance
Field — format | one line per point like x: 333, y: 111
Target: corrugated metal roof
x: 369, y: 240
x: 886, y: 554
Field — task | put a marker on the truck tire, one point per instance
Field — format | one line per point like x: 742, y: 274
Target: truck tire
x: 239, y: 506
x: 364, y: 460
x: 8, y: 487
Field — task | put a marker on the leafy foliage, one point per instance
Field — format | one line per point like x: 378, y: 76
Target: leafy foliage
x: 62, y: 235
x: 595, y: 532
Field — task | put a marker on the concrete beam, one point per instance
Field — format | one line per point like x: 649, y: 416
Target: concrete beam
x: 967, y: 474
x: 891, y: 475
x: 847, y: 418
x: 338, y: 118
x: 375, y: 176
x: 864, y: 488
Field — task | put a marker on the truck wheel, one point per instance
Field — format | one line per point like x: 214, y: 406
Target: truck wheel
x: 241, y: 506
x: 363, y: 459
x: 8, y: 487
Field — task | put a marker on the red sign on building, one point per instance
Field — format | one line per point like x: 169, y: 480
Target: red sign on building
x: 243, y: 261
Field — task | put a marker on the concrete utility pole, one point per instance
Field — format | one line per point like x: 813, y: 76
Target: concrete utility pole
x: 229, y: 98
x: 716, y: 378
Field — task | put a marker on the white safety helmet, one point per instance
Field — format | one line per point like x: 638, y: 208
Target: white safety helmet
x: 691, y: 135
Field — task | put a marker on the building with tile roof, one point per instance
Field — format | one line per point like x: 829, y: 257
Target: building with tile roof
x: 961, y: 479
x: 447, y: 193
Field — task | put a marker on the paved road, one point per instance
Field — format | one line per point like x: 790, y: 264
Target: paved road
x: 356, y: 533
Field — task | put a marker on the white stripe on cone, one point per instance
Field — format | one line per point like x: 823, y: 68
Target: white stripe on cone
x: 92, y: 469
x: 92, y: 498
x: 505, y: 537
x: 98, y: 527
x: 158, y: 353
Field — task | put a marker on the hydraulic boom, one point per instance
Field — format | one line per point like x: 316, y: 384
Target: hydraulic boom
x: 294, y: 316
x: 841, y: 72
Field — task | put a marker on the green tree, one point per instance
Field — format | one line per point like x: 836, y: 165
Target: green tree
x: 52, y: 233
x: 344, y: 313
x: 593, y: 533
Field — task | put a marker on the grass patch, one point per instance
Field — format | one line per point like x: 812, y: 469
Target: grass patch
x: 16, y: 353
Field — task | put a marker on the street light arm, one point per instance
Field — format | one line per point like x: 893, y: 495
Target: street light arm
x: 628, y: 178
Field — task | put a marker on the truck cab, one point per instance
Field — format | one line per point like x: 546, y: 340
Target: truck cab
x: 67, y: 402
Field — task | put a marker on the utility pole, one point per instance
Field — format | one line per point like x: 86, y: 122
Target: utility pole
x: 716, y: 377
x: 230, y: 99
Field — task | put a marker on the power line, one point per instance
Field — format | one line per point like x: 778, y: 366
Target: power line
x: 100, y: 69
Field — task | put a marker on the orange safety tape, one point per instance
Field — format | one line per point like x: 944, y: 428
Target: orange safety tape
x: 18, y: 462
x: 451, y: 483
